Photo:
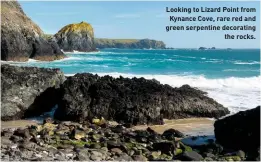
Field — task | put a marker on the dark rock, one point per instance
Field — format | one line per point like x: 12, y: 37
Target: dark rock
x: 79, y: 37
x: 202, y: 48
x: 191, y: 156
x: 135, y: 101
x: 22, y: 133
x: 15, y: 138
x: 28, y: 91
x: 170, y: 134
x: 22, y: 39
x: 164, y: 147
x: 95, y: 146
x: 116, y: 144
x: 240, y: 131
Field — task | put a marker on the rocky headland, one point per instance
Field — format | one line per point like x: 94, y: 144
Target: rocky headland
x: 22, y: 39
x: 129, y: 43
x: 85, y: 102
x: 76, y: 37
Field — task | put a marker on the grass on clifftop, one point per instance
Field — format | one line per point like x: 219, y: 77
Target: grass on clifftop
x: 117, y: 40
x: 82, y: 26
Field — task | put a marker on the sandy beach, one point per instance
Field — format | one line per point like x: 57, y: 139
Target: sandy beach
x: 189, y: 126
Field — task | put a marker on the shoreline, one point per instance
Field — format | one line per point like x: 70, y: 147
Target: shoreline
x: 188, y: 126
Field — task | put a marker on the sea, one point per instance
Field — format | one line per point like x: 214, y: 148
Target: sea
x: 230, y: 76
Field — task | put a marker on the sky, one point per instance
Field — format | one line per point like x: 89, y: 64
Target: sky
x: 139, y: 20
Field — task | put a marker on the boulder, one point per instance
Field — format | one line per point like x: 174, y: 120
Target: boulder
x: 28, y: 91
x: 170, y: 134
x: 22, y: 39
x: 191, y: 156
x: 78, y: 37
x: 240, y: 131
x: 135, y: 101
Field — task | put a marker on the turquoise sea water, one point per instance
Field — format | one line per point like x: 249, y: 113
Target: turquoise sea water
x: 232, y: 77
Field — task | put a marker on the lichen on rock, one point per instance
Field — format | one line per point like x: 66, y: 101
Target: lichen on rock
x: 76, y: 37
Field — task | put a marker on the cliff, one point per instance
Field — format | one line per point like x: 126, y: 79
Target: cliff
x: 129, y: 43
x: 21, y: 38
x: 79, y: 37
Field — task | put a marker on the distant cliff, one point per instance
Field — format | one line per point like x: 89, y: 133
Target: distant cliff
x: 22, y: 39
x: 129, y: 43
x: 79, y: 37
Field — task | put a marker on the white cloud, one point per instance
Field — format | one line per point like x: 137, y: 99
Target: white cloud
x: 127, y: 16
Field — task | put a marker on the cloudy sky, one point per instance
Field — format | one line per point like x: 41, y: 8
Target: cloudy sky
x: 142, y: 20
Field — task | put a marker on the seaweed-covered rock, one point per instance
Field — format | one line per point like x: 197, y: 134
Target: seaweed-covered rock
x: 22, y: 39
x: 239, y: 131
x: 135, y: 101
x: 28, y: 91
x: 78, y: 37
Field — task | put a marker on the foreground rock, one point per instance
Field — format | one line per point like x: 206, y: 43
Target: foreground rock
x: 134, y: 101
x: 129, y: 43
x: 27, y: 91
x: 240, y: 131
x: 68, y: 141
x: 78, y: 37
x: 22, y: 39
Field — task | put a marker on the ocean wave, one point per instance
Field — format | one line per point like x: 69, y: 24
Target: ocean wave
x: 214, y: 61
x: 242, y: 70
x: 235, y: 93
x: 185, y: 56
x: 246, y: 63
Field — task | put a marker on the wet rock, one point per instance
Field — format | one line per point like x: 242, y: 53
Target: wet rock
x: 116, y: 150
x: 242, y: 130
x: 122, y: 100
x: 170, y: 134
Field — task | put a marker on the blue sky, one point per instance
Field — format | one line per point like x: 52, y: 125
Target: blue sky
x: 140, y: 20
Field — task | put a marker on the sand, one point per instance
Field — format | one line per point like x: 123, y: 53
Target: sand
x: 191, y: 126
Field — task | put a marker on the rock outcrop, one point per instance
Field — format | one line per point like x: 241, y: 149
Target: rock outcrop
x: 28, y: 91
x: 240, y: 131
x: 78, y: 37
x: 135, y: 101
x: 21, y: 38
x: 129, y: 43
